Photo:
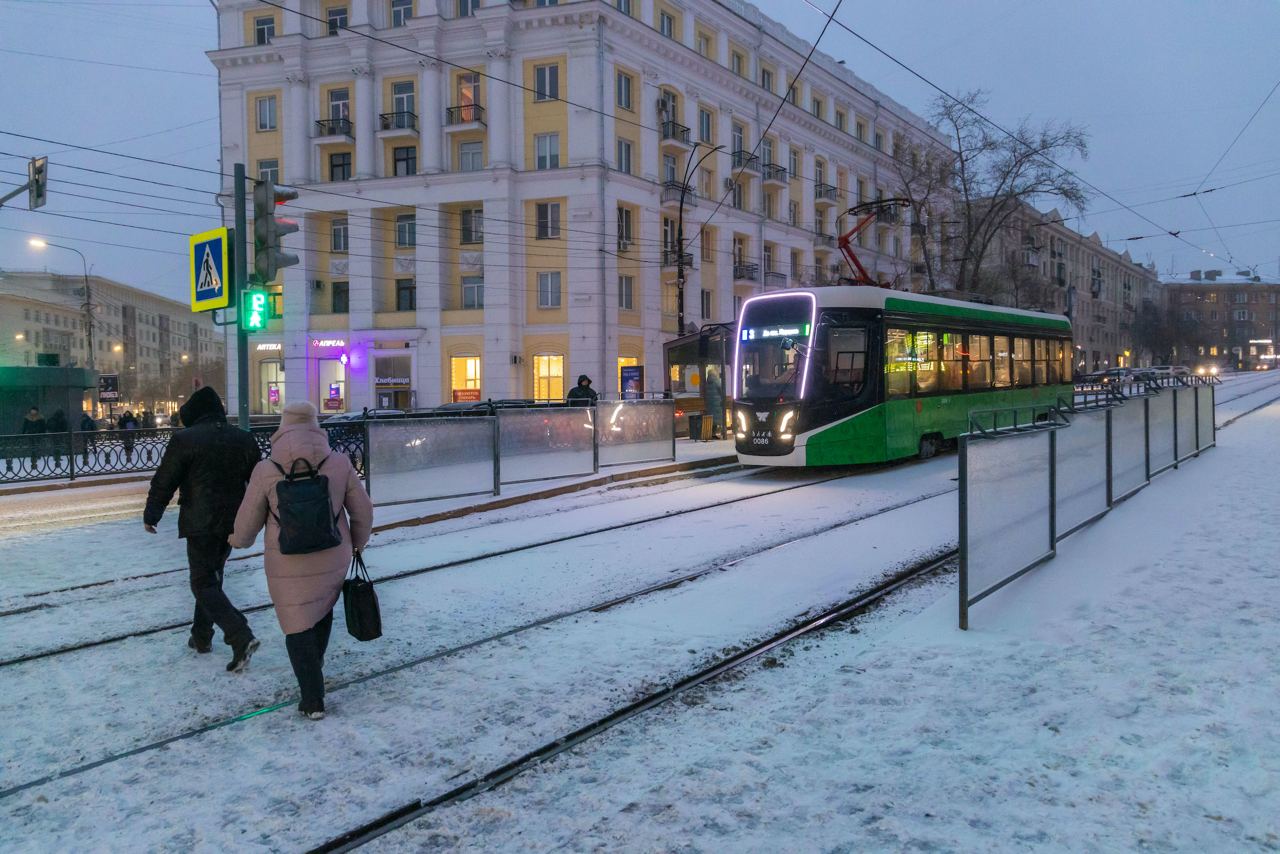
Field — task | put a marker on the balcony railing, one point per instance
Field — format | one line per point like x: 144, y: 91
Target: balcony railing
x: 748, y: 272
x: 672, y: 190
x: 745, y: 160
x: 774, y: 172
x: 824, y: 239
x: 671, y: 258
x: 775, y: 280
x: 334, y: 127
x: 888, y: 216
x: 402, y: 120
x: 675, y: 132
x: 824, y: 193
x: 464, y: 114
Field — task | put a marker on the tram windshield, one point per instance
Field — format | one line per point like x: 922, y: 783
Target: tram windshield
x: 774, y: 337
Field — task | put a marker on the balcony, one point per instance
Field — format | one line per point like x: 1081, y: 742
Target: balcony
x: 464, y: 117
x: 671, y: 258
x: 889, y: 216
x: 774, y: 174
x: 745, y: 160
x: 334, y: 130
x: 672, y: 190
x: 827, y: 240
x: 675, y: 136
x: 398, y: 124
x: 746, y: 272
x: 815, y: 276
x: 824, y: 194
x: 775, y: 280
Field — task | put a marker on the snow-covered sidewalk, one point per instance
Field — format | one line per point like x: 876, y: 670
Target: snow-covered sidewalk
x: 1121, y: 697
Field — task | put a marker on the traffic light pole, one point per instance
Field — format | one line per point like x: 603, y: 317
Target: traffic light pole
x: 240, y: 263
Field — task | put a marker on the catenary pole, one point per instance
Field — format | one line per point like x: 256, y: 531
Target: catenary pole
x: 241, y: 266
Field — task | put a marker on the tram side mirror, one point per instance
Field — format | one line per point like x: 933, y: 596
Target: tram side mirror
x: 788, y: 344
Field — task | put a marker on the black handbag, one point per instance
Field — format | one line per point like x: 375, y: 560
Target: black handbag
x: 360, y: 602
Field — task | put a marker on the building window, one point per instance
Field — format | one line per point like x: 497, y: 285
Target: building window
x: 406, y: 295
x: 669, y: 234
x: 622, y: 92
x: 666, y: 25
x: 879, y: 141
x: 624, y: 229
x: 467, y: 8
x: 267, y: 113
x: 815, y: 107
x: 739, y: 136
x: 340, y: 166
x: 706, y: 241
x: 669, y: 168
x: 1242, y: 314
x: 339, y: 104
x: 793, y: 162
x: 704, y: 45
x: 406, y: 160
x: 340, y: 298
x: 549, y: 290
x: 793, y: 213
x: 338, y: 236
x: 706, y: 304
x: 470, y: 156
x: 269, y: 170
x: 842, y: 120
x: 473, y: 226
x: 472, y: 292
x: 406, y: 231
x: 624, y: 156
x: 264, y: 29
x: 402, y: 102
x: 766, y: 79
x: 819, y: 172
x: 548, y: 216
x: 706, y: 133
x: 401, y: 12
x: 548, y: 377
x: 626, y: 293
x: 546, y: 151
x: 337, y: 17
x: 737, y: 196
x: 738, y: 64
x: 624, y: 6
x: 546, y: 82
x: 766, y: 151
x: 465, y: 372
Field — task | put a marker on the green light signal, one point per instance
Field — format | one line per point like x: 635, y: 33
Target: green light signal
x: 253, y: 310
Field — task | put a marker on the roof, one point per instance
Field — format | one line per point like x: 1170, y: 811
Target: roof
x: 1224, y: 278
x: 861, y: 296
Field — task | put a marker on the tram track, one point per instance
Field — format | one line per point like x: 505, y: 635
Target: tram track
x: 436, y: 567
x: 283, y: 701
x: 853, y: 607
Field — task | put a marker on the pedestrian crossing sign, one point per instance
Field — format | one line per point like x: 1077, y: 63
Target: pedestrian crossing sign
x: 210, y: 269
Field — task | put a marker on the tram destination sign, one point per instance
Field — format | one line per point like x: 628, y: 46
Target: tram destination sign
x: 750, y: 334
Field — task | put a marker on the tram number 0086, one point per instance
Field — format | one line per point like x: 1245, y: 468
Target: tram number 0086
x: 760, y: 438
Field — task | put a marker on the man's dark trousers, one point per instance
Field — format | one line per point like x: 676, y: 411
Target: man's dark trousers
x: 206, y: 557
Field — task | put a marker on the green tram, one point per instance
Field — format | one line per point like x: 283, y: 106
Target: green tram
x: 840, y: 375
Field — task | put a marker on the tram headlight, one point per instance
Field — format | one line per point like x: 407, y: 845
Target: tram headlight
x: 742, y: 424
x: 786, y: 422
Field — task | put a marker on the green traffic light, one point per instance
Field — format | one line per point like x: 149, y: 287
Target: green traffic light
x: 253, y: 310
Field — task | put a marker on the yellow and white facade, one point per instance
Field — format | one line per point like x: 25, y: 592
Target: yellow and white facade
x: 487, y: 189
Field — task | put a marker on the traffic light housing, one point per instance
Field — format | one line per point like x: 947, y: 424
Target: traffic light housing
x: 268, y: 230
x: 38, y: 182
x: 254, y: 310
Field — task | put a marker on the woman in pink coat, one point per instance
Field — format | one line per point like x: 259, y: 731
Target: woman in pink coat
x: 304, y: 587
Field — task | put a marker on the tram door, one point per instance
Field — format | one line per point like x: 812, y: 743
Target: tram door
x: 901, y: 435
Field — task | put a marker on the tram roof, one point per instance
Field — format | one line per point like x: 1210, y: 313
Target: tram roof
x: 904, y: 302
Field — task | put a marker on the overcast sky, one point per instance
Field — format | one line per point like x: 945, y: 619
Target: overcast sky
x: 1163, y: 87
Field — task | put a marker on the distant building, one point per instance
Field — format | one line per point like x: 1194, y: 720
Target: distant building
x: 156, y: 345
x: 1228, y: 320
x: 1038, y: 262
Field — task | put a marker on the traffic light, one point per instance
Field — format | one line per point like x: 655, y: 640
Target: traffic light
x: 268, y: 230
x: 253, y: 313
x: 38, y: 188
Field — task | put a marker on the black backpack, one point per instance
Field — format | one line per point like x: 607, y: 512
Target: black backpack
x: 307, y: 521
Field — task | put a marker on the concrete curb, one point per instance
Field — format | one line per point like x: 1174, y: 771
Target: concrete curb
x: 74, y: 484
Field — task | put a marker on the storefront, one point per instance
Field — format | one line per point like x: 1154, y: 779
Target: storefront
x: 464, y: 379
x: 393, y: 382
x: 267, y: 371
x: 331, y: 360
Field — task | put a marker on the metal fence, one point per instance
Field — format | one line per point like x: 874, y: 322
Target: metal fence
x: 430, y: 458
x: 68, y: 456
x: 1031, y: 477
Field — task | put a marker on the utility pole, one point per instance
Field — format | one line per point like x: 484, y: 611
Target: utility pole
x: 240, y: 266
x: 690, y: 168
x: 87, y: 305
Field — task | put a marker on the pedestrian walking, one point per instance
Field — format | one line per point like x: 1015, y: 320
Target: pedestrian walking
x: 713, y: 393
x: 304, y: 586
x: 208, y: 464
x: 57, y: 423
x: 33, y: 425
x: 582, y: 394
x: 127, y: 425
x: 87, y: 425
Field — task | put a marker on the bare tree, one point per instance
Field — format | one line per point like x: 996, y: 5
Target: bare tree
x: 973, y: 192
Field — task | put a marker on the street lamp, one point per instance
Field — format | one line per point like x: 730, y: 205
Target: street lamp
x: 690, y: 167
x: 87, y: 305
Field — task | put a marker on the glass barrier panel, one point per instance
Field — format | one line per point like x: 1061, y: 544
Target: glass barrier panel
x: 1081, y: 487
x: 419, y: 459
x: 1128, y: 448
x: 1007, y: 506
x: 636, y: 431
x: 539, y: 444
x: 1186, y: 422
x: 1160, y: 428
x: 1207, y: 395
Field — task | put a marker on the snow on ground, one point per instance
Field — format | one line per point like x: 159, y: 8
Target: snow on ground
x: 1242, y: 392
x: 274, y: 781
x: 1122, y: 697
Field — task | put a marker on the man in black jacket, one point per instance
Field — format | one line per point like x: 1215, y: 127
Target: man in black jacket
x: 582, y: 394
x: 208, y: 464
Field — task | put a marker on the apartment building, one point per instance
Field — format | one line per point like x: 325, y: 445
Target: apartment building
x: 155, y: 344
x: 1225, y: 319
x: 490, y: 189
x: 1039, y: 262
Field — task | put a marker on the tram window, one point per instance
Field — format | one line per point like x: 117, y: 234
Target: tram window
x: 1002, y: 377
x: 1064, y: 356
x: 898, y: 363
x: 1041, y: 363
x: 1054, y: 361
x: 926, y: 362
x: 951, y: 364
x: 1022, y: 362
x: 979, y: 362
x: 847, y: 359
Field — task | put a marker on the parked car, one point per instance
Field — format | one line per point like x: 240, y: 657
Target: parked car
x: 483, y: 407
x: 363, y: 414
x: 1209, y: 369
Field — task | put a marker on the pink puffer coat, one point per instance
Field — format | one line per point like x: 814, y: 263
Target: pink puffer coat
x: 304, y: 587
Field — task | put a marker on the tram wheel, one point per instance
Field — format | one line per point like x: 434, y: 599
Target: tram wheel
x: 929, y: 447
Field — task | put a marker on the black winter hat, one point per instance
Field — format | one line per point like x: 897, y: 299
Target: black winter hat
x: 582, y: 378
x: 203, y: 402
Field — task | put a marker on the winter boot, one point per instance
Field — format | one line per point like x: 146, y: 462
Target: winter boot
x: 200, y: 646
x: 312, y: 716
x: 241, y: 653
